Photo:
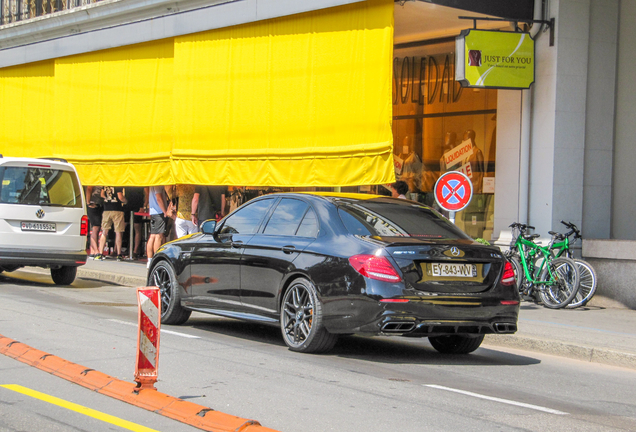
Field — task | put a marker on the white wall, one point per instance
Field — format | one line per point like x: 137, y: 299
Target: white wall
x: 559, y: 119
x: 599, y: 127
x: 111, y: 24
x: 624, y: 192
x: 542, y: 139
x: 508, y: 160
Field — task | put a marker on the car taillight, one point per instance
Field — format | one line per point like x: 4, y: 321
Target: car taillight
x: 508, y: 277
x: 509, y: 302
x: 375, y: 267
x: 84, y: 226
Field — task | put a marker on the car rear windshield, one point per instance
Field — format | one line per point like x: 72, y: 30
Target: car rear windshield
x: 39, y: 186
x: 396, y: 218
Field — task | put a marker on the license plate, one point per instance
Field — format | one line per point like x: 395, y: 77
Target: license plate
x: 38, y: 226
x: 453, y: 270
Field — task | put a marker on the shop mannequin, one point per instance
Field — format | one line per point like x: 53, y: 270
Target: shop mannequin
x: 476, y: 161
x: 449, y: 142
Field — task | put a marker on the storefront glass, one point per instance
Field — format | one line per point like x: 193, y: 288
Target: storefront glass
x: 439, y: 127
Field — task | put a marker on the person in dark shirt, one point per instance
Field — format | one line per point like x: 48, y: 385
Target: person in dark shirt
x: 208, y: 202
x: 94, y: 210
x: 137, y: 201
x: 113, y: 215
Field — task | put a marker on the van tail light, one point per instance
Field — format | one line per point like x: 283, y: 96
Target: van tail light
x: 84, y: 226
x: 508, y: 277
x: 375, y: 267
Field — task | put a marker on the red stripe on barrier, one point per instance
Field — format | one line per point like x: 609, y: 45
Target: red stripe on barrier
x: 149, y: 300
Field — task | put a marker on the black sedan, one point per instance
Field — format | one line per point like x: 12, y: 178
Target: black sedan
x: 321, y: 265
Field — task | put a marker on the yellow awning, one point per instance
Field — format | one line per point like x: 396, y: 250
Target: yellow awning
x: 303, y: 100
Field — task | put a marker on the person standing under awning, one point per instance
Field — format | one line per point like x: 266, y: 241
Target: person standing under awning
x: 113, y: 216
x: 183, y: 223
x: 157, y: 200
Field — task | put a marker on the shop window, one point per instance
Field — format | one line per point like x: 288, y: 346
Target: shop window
x: 439, y: 126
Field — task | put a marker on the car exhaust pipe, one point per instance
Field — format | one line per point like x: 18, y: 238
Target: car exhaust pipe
x: 502, y: 328
x: 398, y: 327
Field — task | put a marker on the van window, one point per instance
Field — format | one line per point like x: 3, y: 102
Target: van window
x: 39, y: 186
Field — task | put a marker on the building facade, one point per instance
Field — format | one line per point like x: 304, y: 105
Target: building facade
x: 561, y: 150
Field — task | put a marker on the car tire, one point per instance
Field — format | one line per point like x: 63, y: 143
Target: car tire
x: 301, y: 319
x: 64, y: 275
x: 163, y: 276
x: 456, y: 344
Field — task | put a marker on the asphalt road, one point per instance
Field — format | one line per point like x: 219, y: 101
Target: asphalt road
x: 365, y: 384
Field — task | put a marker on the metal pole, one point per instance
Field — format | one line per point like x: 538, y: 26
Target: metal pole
x: 451, y: 216
x: 132, y: 226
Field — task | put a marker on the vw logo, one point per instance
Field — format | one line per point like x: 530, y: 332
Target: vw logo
x: 40, y: 213
x: 455, y: 251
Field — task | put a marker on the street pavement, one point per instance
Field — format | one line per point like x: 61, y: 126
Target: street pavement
x: 601, y: 333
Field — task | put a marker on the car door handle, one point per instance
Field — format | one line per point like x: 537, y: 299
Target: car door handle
x: 237, y: 244
x: 289, y: 249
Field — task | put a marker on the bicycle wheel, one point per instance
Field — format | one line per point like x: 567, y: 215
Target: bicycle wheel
x: 587, y: 284
x: 566, y: 276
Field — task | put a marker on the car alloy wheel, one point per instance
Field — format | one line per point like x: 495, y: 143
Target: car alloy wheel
x: 299, y: 312
x: 163, y: 277
x: 301, y: 320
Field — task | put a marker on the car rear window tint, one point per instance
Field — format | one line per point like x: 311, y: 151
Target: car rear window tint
x: 39, y: 186
x: 390, y: 218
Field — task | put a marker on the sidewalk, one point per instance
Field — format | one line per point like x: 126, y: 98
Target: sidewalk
x: 594, y: 334
x: 131, y: 273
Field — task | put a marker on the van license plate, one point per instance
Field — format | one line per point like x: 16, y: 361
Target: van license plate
x: 38, y: 226
x: 453, y: 270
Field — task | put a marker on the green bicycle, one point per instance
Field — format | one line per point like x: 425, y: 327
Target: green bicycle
x: 538, y: 272
x: 587, y: 275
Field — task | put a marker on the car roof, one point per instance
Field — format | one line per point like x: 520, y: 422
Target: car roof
x: 23, y: 161
x: 356, y: 196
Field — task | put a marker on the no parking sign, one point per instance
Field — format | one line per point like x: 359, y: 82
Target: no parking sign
x: 453, y: 191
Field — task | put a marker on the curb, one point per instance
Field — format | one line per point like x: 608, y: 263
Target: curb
x: 149, y: 399
x: 115, y: 278
x: 563, y: 349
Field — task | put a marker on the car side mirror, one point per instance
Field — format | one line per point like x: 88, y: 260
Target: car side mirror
x: 208, y: 226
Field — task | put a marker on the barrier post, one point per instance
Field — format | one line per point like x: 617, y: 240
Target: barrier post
x: 149, y: 304
x: 131, y: 240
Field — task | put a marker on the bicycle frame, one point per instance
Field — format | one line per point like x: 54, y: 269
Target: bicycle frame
x: 561, y: 248
x: 522, y: 244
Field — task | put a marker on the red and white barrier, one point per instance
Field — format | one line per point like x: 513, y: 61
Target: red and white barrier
x: 149, y: 301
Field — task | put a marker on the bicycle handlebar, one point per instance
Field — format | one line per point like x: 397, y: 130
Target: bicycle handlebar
x: 573, y: 230
x: 521, y: 226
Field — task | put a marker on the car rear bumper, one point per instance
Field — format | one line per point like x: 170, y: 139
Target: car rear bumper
x: 423, y: 317
x: 15, y: 258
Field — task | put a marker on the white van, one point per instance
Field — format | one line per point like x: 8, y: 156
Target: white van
x: 43, y: 218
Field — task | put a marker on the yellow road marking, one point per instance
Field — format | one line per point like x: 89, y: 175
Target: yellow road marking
x: 78, y: 408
